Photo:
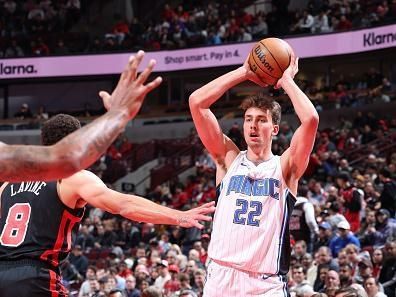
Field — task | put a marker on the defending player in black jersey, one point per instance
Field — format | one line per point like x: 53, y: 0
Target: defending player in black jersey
x: 38, y: 219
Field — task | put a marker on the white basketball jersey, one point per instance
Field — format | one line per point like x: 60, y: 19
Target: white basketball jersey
x: 251, y: 222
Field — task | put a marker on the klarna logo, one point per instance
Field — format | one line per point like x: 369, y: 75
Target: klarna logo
x: 370, y: 39
x: 17, y: 69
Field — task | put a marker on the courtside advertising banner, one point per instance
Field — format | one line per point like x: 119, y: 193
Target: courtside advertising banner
x: 203, y: 57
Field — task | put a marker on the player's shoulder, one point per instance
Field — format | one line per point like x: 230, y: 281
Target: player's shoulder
x: 81, y: 176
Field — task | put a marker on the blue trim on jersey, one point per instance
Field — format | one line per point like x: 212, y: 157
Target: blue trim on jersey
x: 219, y: 188
x: 286, y: 249
x: 282, y: 232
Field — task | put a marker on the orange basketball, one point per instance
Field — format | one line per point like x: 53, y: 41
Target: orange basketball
x: 269, y: 58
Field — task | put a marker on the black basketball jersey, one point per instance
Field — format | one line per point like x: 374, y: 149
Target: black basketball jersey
x: 298, y: 225
x: 35, y: 224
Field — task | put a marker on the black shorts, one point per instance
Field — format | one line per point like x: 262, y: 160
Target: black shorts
x: 30, y: 278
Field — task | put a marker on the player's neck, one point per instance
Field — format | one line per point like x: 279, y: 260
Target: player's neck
x: 258, y: 156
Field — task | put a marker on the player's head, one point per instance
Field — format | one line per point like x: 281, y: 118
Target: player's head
x: 57, y: 128
x: 261, y: 119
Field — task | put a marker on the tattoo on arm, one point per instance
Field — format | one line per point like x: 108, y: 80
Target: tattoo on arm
x: 73, y: 153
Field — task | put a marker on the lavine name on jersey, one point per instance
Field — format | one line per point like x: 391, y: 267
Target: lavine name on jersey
x: 254, y: 187
x: 33, y: 187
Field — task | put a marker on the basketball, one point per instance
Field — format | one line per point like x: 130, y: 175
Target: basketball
x: 269, y: 58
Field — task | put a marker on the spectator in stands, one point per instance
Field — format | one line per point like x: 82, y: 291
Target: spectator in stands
x: 383, y: 230
x: 172, y: 285
x: 95, y: 46
x: 119, y: 31
x: 332, y: 283
x: 94, y: 289
x: 304, y: 24
x: 388, y: 194
x: 115, y: 293
x: 343, y: 24
x: 300, y: 286
x: 152, y: 291
x: 351, y: 199
x: 320, y: 279
x: 39, y: 47
x: 321, y: 23
x: 388, y: 272
x: 61, y: 49
x: 88, y: 287
x: 368, y: 223
x: 259, y: 27
x: 78, y: 260
x: 299, y: 250
x: 164, y: 275
x: 24, y: 112
x: 105, y: 236
x: 85, y: 238
x: 41, y: 114
x: 343, y: 238
x: 13, y: 50
x: 235, y: 134
x: 352, y: 252
x: 205, y: 163
x: 199, y: 281
x: 378, y: 260
x: 303, y: 224
x: 342, y: 257
x: 347, y: 292
x: 346, y: 275
x: 365, y: 269
x: 372, y: 287
x: 335, y: 217
x: 324, y: 237
x: 130, y: 287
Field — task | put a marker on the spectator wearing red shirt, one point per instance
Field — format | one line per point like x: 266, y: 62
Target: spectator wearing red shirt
x: 173, y: 284
x: 378, y: 259
x: 344, y: 24
x: 180, y: 198
x: 205, y: 239
x: 168, y: 13
x: 39, y: 48
x: 351, y: 200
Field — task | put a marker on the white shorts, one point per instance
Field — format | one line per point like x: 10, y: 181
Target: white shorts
x: 224, y: 281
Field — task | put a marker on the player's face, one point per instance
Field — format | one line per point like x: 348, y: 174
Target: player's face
x: 258, y: 128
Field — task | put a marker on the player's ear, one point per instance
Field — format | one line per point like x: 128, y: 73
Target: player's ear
x: 275, y: 130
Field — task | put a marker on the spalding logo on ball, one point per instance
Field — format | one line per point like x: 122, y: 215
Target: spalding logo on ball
x: 269, y: 58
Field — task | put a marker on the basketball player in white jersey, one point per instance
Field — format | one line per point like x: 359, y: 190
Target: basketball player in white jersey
x: 249, y: 250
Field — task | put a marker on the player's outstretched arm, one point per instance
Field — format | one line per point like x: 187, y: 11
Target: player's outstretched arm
x: 87, y: 186
x: 295, y: 159
x: 83, y: 147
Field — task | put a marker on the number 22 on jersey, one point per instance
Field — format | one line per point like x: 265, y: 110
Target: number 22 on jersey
x: 253, y: 210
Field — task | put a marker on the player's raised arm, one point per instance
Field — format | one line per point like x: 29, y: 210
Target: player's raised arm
x: 205, y: 121
x: 295, y: 158
x: 82, y: 148
x: 90, y: 188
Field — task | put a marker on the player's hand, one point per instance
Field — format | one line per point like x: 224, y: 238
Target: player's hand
x: 250, y: 75
x: 130, y: 91
x: 290, y: 72
x: 191, y: 218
